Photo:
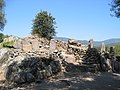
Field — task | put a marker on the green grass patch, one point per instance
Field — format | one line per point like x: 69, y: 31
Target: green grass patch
x: 8, y: 44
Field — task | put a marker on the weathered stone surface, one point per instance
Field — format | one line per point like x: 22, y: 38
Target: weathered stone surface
x: 73, y: 42
x: 31, y: 69
x: 27, y: 47
x: 92, y: 56
x: 105, y: 62
x: 103, y: 48
x: 61, y: 45
x: 53, y: 46
x: 18, y: 44
x: 4, y: 55
x: 91, y: 43
x: 113, y: 53
x: 76, y: 49
x: 55, y: 66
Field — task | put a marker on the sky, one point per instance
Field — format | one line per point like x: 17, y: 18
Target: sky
x: 78, y: 19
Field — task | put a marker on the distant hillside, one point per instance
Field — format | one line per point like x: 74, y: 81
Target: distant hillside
x: 108, y: 42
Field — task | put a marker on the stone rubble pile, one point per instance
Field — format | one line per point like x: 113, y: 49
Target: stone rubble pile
x: 77, y: 49
x: 92, y: 56
x: 114, y: 63
x: 32, y: 70
x: 25, y: 67
x: 92, y: 60
x: 33, y: 59
x: 31, y: 43
x: 101, y: 61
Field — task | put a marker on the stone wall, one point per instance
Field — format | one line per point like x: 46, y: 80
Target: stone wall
x: 77, y: 49
x: 31, y: 43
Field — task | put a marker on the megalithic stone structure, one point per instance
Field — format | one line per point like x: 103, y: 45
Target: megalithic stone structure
x: 113, y: 53
x: 53, y: 45
x: 103, y: 47
x: 91, y: 45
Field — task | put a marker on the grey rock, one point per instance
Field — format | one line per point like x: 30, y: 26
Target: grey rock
x: 32, y: 69
x: 91, y: 43
x: 73, y: 42
x: 55, y: 66
x: 41, y: 75
x: 103, y: 48
x: 20, y: 77
x: 4, y: 55
x: 18, y: 44
x: 53, y: 46
x: 30, y: 78
x: 48, y: 71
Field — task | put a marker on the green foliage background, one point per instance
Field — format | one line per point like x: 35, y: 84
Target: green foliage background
x: 117, y: 46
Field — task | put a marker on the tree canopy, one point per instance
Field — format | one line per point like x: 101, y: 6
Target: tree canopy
x: 44, y: 25
x: 116, y: 8
x: 2, y: 15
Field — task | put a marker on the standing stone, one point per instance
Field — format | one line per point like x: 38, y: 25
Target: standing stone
x: 52, y: 45
x: 103, y: 48
x: 112, y: 53
x: 91, y: 43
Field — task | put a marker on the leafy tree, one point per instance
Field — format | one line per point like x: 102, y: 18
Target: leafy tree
x: 2, y: 15
x: 44, y: 25
x: 115, y: 4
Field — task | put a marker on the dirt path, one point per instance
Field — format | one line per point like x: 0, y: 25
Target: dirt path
x: 84, y: 81
x: 74, y: 81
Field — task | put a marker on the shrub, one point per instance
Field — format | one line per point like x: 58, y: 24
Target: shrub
x: 8, y: 44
